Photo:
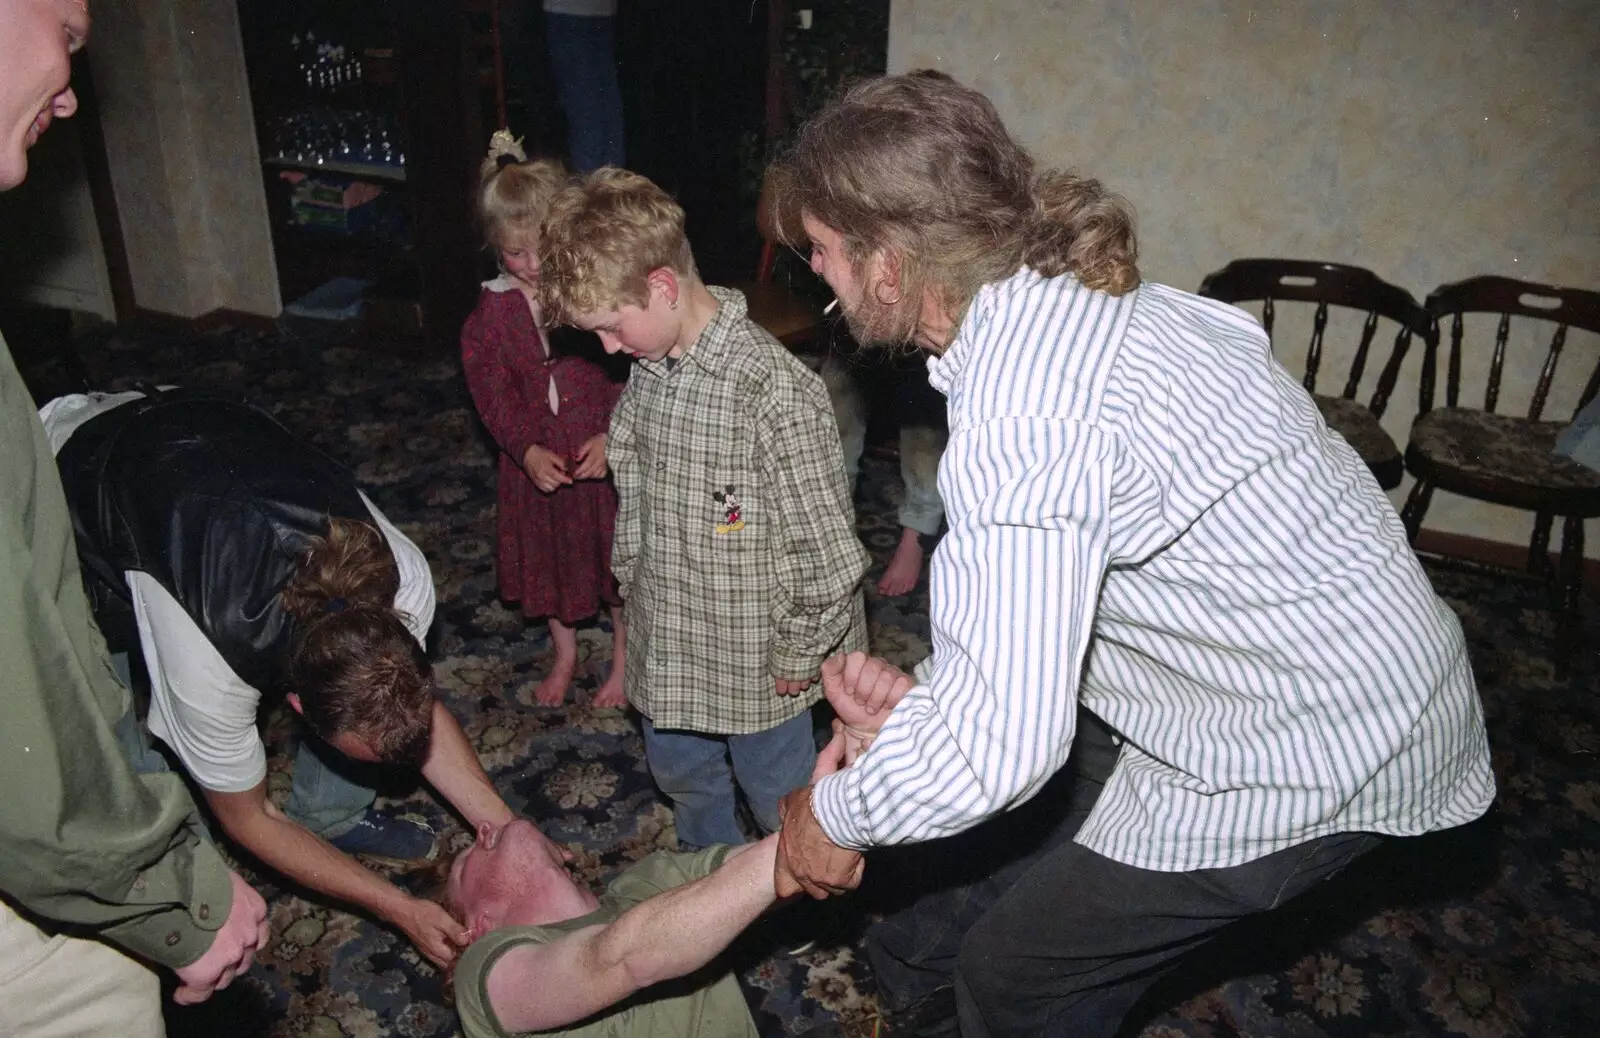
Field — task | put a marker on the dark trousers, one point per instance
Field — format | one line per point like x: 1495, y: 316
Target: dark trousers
x: 1063, y: 941
x: 584, y: 60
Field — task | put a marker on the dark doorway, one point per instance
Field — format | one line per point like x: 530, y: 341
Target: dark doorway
x: 693, y: 77
x: 693, y: 81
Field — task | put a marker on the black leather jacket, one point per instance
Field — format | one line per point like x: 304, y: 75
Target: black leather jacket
x: 214, y: 499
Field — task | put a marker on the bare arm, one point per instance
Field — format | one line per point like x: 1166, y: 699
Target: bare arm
x: 454, y: 770
x: 537, y: 987
x: 253, y: 820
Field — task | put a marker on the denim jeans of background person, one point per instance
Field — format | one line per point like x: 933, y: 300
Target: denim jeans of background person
x: 581, y: 37
x: 698, y: 772
x: 1580, y: 441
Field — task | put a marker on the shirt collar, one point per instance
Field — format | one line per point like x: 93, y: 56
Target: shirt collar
x: 945, y: 369
x: 716, y: 344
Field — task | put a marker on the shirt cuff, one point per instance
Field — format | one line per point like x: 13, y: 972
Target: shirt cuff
x: 839, y: 808
x: 192, y: 895
x: 793, y: 666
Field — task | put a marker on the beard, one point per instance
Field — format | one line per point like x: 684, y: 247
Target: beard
x: 872, y: 323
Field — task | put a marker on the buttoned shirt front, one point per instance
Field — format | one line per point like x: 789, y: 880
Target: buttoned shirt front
x: 736, y: 547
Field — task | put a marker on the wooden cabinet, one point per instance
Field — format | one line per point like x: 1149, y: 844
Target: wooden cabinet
x: 408, y: 81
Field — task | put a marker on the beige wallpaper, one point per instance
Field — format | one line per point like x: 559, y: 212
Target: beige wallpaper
x: 1429, y: 141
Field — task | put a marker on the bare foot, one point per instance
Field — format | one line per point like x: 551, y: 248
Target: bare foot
x: 552, y: 691
x: 610, y: 693
x: 905, y: 567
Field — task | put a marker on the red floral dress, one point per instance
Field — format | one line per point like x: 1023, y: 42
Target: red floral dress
x: 554, y: 550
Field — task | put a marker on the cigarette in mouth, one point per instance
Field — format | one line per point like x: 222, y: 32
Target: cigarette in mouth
x: 829, y: 308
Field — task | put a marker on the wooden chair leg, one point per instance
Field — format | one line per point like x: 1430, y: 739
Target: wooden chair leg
x: 1570, y: 628
x: 1539, y: 547
x: 1416, y: 507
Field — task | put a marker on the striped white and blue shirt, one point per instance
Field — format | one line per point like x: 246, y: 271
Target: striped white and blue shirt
x: 1148, y: 515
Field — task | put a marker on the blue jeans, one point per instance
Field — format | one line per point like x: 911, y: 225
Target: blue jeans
x: 323, y: 796
x: 694, y: 771
x: 583, y: 59
x: 322, y: 799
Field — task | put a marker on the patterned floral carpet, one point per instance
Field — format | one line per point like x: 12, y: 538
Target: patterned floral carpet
x: 1489, y: 931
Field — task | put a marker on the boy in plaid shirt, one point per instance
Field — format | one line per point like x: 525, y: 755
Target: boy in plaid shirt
x: 735, y: 545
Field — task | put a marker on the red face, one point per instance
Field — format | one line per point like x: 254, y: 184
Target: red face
x: 499, y: 864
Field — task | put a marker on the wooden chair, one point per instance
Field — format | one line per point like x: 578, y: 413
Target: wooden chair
x: 791, y: 317
x: 1332, y: 284
x: 1505, y: 459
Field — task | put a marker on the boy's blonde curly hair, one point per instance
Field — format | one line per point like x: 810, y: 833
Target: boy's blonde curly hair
x: 601, y: 238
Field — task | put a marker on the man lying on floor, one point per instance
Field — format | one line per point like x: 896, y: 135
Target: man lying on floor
x: 549, y: 956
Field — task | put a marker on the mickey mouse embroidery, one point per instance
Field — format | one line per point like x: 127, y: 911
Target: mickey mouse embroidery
x: 732, y: 519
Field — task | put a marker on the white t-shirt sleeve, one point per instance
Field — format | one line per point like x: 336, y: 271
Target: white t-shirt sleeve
x: 415, y: 599
x: 62, y: 416
x: 198, y: 705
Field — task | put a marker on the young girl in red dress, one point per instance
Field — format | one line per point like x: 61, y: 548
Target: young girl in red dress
x: 549, y: 415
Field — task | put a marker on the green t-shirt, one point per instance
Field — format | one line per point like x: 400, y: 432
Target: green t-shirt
x: 707, y: 1004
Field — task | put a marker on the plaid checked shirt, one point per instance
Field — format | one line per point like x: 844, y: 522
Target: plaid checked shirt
x: 736, y: 544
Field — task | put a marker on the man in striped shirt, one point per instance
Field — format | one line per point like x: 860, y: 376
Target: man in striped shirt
x: 1147, y: 518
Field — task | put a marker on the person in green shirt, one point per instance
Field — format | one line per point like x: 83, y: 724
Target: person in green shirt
x: 549, y: 956
x: 639, y: 961
x: 86, y: 845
